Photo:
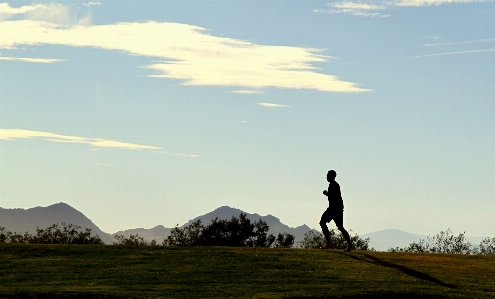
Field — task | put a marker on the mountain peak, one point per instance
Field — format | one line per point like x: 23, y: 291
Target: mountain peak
x: 60, y: 205
x: 28, y: 220
x: 223, y: 209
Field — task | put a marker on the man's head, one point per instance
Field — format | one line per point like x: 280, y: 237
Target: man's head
x: 331, y: 175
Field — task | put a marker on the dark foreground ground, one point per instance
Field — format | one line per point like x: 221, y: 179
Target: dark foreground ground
x: 75, y: 271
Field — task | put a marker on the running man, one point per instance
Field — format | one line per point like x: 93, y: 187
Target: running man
x: 334, y: 212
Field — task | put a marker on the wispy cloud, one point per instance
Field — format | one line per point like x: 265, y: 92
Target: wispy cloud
x: 13, y: 134
x: 188, y: 53
x: 179, y: 155
x: 54, y: 13
x: 486, y: 40
x: 372, y: 8
x: 88, y: 4
x: 452, y: 53
x: 247, y: 91
x: 416, y: 3
x: 361, y: 9
x: 272, y: 105
x: 37, y: 60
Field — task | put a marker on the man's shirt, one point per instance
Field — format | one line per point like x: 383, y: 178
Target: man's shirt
x: 334, y: 197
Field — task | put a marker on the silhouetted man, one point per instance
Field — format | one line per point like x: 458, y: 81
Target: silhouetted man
x: 334, y: 212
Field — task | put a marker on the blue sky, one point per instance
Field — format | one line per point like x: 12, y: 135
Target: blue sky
x: 141, y: 113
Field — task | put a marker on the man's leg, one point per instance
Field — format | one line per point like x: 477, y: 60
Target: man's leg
x: 326, y: 217
x: 345, y: 234
x: 325, y: 230
x: 339, y: 221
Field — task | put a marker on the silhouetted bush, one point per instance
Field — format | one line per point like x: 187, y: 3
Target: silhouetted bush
x: 237, y: 232
x: 133, y: 240
x: 487, y: 246
x: 316, y: 240
x: 9, y: 237
x: 284, y: 240
x: 446, y: 242
x: 66, y: 234
x: 3, y: 235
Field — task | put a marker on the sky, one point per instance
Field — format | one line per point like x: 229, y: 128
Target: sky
x: 145, y: 113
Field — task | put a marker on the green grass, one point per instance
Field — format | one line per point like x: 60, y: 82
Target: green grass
x: 57, y: 271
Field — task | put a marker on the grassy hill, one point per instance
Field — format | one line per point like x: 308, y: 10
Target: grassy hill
x: 56, y: 271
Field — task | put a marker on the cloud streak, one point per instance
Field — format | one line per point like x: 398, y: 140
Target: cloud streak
x: 187, y: 53
x: 36, y: 60
x: 272, y: 105
x: 373, y: 8
x: 88, y: 4
x: 486, y: 40
x: 13, y: 134
x: 53, y: 13
x: 452, y: 53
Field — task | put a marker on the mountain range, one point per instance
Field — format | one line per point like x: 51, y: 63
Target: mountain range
x: 27, y: 220
x: 225, y: 212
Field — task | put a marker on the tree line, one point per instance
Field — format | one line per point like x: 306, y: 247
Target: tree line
x: 53, y: 234
x: 446, y: 242
x: 241, y: 232
x: 236, y: 232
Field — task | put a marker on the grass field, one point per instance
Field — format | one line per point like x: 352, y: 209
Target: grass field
x: 67, y: 271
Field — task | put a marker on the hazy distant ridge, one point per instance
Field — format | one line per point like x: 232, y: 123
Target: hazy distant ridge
x: 159, y: 233
x: 22, y: 220
x: 276, y: 227
x: 27, y: 220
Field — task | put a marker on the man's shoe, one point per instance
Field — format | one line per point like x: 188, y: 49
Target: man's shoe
x: 327, y: 245
x: 349, y: 248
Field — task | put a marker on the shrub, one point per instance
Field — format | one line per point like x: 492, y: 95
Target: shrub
x: 67, y: 234
x: 3, y: 236
x: 133, y: 240
x: 316, y: 240
x: 187, y: 236
x: 446, y: 242
x: 487, y: 246
x: 236, y: 232
x: 284, y: 240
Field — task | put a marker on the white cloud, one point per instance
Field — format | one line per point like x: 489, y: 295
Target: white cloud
x: 13, y: 134
x: 37, y: 60
x: 415, y: 3
x: 179, y: 155
x: 370, y: 8
x: 188, y: 53
x: 6, y: 10
x: 272, y: 105
x: 248, y: 91
x: 452, y: 53
x: 53, y: 13
x: 88, y: 4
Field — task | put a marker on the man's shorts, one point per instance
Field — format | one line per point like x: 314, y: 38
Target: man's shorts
x: 334, y: 214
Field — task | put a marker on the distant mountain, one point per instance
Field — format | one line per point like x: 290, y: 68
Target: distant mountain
x: 159, y: 233
x: 22, y: 220
x: 391, y: 238
x: 27, y: 220
x: 387, y: 238
x: 276, y: 227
